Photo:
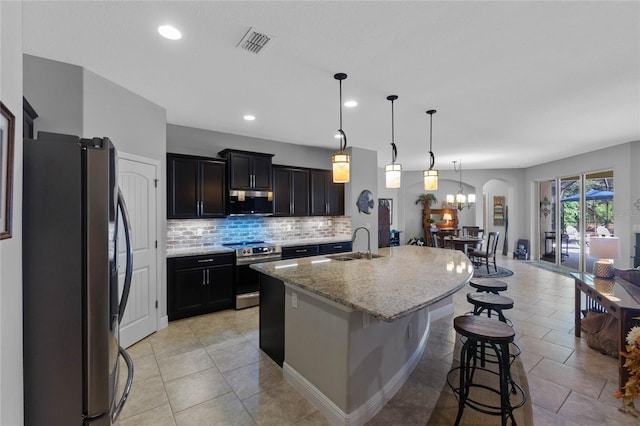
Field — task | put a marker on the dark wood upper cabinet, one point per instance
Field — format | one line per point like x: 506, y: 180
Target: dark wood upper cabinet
x: 248, y: 170
x: 290, y: 191
x: 327, y: 198
x: 196, y: 187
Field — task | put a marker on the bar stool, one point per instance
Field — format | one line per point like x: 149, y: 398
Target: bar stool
x: 493, y: 286
x: 497, y: 335
x: 490, y: 302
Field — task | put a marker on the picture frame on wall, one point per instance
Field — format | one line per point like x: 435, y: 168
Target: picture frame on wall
x: 498, y: 210
x: 7, y: 137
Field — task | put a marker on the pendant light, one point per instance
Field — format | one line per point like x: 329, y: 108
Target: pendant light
x: 393, y: 171
x: 430, y: 176
x: 340, y: 161
x: 460, y: 199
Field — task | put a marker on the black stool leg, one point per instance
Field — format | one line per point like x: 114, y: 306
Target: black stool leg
x: 466, y: 374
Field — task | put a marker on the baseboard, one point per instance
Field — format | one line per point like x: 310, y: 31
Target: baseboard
x: 441, y: 312
x: 164, y: 322
x: 369, y: 408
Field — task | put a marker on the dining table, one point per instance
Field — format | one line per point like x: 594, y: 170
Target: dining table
x: 462, y: 243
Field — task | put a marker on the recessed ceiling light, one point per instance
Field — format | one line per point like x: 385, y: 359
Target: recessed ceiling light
x: 167, y: 31
x: 249, y: 117
x: 350, y: 104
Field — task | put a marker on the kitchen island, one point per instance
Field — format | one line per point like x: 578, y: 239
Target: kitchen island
x: 354, y: 329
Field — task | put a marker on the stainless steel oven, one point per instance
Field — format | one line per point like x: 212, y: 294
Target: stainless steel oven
x: 247, y: 283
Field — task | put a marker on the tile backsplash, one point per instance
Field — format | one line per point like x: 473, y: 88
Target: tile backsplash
x: 188, y: 233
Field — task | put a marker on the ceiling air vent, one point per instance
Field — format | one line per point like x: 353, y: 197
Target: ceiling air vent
x: 254, y: 41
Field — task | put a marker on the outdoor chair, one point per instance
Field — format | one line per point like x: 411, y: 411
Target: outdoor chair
x: 484, y: 257
x: 602, y: 231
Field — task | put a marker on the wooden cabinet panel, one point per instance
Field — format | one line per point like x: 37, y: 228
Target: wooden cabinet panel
x: 213, y: 189
x: 182, y: 187
x: 341, y: 247
x: 327, y: 198
x: 290, y: 191
x: 262, y: 173
x: 300, y: 251
x: 281, y: 192
x: 300, y: 192
x: 248, y: 170
x: 199, y: 284
x: 196, y: 187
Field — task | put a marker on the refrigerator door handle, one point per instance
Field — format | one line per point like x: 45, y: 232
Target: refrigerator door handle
x: 129, y: 271
x: 127, y: 386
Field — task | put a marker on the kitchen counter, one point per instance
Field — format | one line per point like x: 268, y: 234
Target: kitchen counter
x: 197, y: 251
x: 349, y: 333
x: 215, y: 249
x: 404, y: 280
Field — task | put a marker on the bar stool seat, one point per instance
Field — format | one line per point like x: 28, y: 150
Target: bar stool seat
x: 490, y: 302
x: 496, y: 335
x: 493, y: 286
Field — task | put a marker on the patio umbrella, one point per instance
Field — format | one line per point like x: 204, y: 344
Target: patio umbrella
x: 593, y: 194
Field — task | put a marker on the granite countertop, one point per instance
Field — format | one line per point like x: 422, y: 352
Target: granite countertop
x: 312, y: 241
x: 197, y: 251
x: 406, y: 279
x: 216, y: 249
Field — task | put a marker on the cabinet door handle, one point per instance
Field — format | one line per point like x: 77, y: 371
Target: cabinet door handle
x: 204, y: 277
x: 205, y: 260
x: 208, y: 276
x: 301, y: 251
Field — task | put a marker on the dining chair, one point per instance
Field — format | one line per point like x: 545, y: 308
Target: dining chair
x: 470, y: 231
x: 480, y: 257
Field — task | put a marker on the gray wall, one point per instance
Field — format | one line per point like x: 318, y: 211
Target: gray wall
x: 54, y: 89
x: 193, y: 141
x: 11, y: 384
x: 507, y: 182
x: 73, y: 100
x: 623, y: 160
x: 364, y: 176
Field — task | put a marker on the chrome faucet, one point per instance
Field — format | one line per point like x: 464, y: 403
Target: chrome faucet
x: 353, y: 238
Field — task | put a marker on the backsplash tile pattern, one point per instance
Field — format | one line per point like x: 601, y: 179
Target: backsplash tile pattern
x: 193, y: 233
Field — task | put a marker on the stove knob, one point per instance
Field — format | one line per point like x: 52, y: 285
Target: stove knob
x: 246, y: 252
x: 269, y: 249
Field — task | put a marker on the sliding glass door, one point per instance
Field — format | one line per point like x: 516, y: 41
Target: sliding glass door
x: 572, y: 209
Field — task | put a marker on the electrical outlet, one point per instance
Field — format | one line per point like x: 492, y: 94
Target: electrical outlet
x: 294, y: 300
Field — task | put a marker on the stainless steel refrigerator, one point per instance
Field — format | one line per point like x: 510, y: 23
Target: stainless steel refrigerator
x: 72, y: 303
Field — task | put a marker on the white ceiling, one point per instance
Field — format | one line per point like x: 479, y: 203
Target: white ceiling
x: 515, y: 83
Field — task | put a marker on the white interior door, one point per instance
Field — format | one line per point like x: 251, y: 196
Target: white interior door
x: 137, y: 181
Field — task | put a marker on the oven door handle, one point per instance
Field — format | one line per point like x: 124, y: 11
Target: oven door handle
x: 257, y: 259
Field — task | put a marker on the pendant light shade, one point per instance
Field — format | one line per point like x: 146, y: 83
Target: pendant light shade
x: 341, y: 162
x: 430, y: 176
x: 393, y: 171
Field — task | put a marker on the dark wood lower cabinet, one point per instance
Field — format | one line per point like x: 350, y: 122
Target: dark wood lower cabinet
x: 199, y: 284
x: 272, y: 318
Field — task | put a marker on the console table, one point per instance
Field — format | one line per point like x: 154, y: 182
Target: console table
x: 618, y: 297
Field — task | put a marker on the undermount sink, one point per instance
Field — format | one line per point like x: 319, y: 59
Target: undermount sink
x: 352, y: 256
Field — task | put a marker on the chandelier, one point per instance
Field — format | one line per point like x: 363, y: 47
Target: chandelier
x: 460, y: 200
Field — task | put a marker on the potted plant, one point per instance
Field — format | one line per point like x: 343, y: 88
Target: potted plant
x: 426, y: 199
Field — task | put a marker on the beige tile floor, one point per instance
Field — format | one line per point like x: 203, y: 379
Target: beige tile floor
x: 209, y: 370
